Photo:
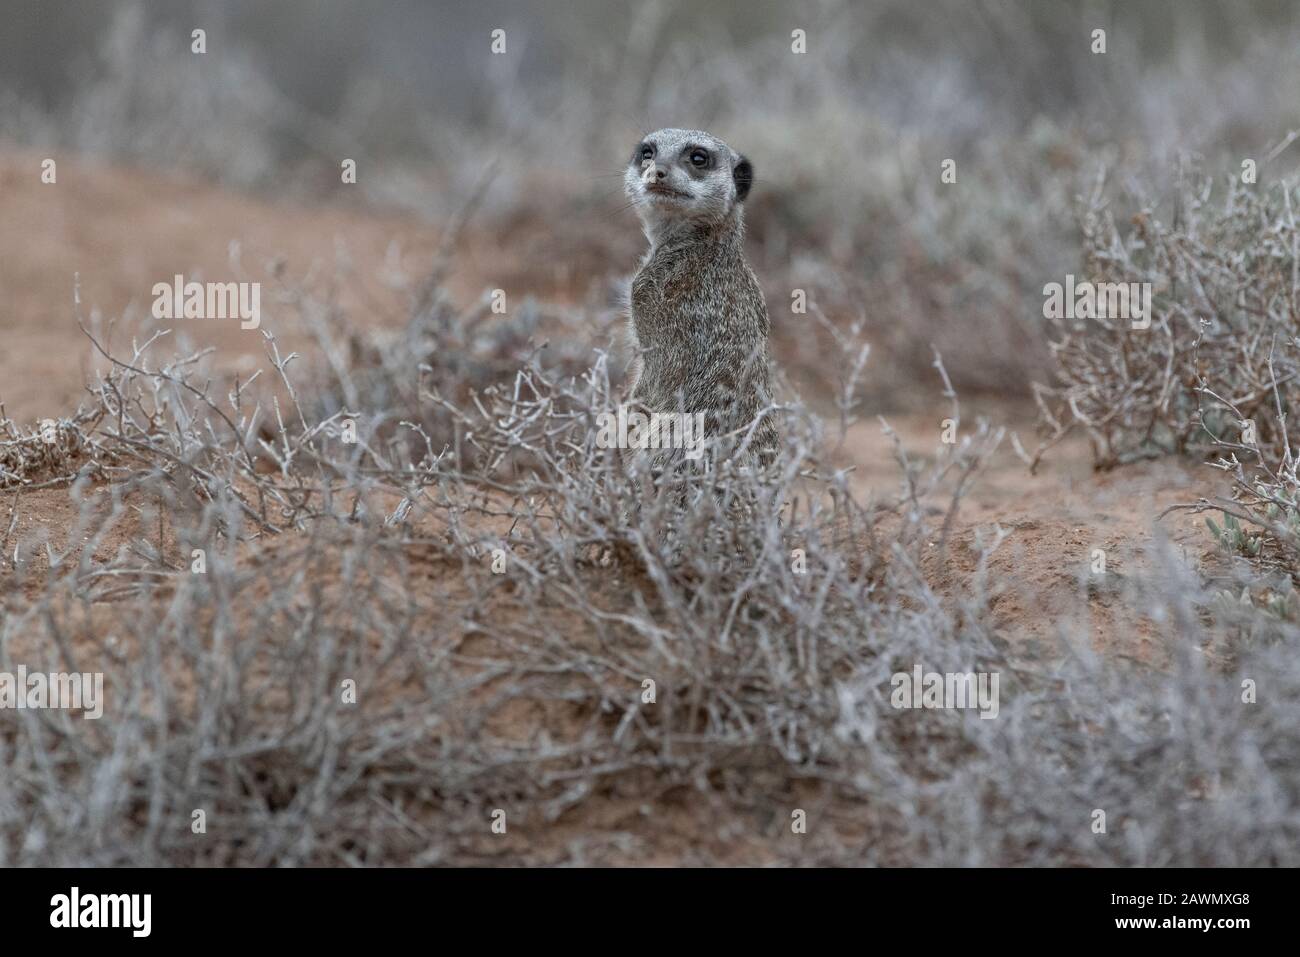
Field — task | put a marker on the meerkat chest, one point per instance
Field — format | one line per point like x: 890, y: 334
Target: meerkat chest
x: 667, y: 297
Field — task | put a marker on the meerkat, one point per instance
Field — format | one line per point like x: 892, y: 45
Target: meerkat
x: 698, y: 323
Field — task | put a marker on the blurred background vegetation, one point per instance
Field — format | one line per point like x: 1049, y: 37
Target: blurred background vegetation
x: 848, y: 138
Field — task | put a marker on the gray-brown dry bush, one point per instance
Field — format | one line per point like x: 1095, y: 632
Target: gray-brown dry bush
x: 1217, y: 374
x: 498, y: 609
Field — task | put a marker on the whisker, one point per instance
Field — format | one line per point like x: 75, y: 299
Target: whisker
x: 606, y: 217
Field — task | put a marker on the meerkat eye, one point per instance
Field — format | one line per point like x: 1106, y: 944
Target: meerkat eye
x: 699, y: 159
x: 647, y: 152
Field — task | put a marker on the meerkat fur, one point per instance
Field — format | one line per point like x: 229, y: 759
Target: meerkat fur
x: 698, y: 324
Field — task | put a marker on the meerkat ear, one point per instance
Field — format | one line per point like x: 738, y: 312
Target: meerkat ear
x: 743, y: 174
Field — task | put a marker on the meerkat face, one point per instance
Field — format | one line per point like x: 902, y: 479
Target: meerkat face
x: 676, y: 175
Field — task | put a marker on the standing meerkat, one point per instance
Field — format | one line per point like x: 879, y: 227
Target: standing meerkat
x: 698, y: 321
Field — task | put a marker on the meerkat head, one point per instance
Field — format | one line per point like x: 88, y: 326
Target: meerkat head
x: 685, y: 176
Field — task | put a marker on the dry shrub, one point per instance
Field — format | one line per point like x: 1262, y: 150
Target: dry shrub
x: 1222, y: 279
x: 500, y: 598
x: 1218, y: 371
x: 48, y: 453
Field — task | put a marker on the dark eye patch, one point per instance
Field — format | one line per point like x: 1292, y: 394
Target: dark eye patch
x: 698, y: 157
x: 643, y: 152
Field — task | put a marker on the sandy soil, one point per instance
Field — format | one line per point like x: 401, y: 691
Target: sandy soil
x: 1040, y: 578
